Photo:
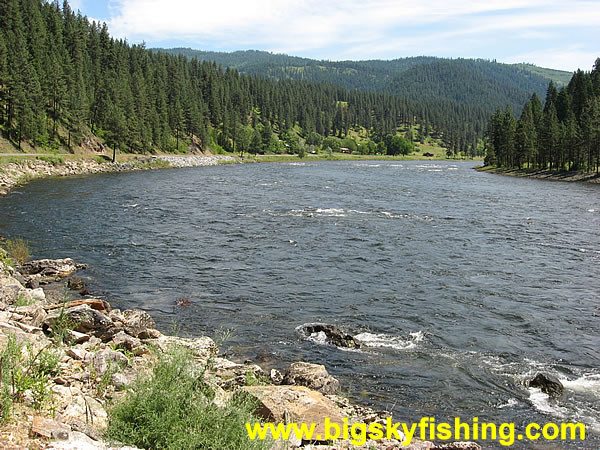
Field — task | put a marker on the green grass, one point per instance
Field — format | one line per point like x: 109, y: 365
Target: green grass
x: 173, y: 409
x: 25, y: 370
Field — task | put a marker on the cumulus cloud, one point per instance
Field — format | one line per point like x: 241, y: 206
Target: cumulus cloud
x: 337, y: 29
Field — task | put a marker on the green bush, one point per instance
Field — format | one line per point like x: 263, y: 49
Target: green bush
x: 173, y: 409
x: 22, y: 369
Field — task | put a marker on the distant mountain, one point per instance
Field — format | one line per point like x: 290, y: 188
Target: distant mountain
x: 479, y: 83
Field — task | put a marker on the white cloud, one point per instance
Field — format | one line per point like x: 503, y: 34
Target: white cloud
x: 76, y: 5
x: 342, y: 28
x: 563, y: 58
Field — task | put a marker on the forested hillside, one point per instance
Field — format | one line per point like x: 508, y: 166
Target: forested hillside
x: 63, y: 78
x: 563, y: 134
x: 457, y: 95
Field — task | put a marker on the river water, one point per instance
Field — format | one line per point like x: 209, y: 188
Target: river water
x: 462, y: 285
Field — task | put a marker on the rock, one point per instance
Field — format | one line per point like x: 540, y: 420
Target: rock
x: 76, y: 283
x: 83, y: 319
x: 94, y: 303
x: 49, y: 429
x: 202, y: 347
x: 77, y: 337
x: 149, y: 333
x: 33, y: 282
x: 87, y: 410
x: 548, y: 384
x: 9, y: 288
x: 313, y: 376
x: 276, y: 376
x: 137, y: 321
x: 28, y: 328
x: 458, y: 446
x: 82, y: 427
x: 287, y: 404
x: 78, y: 354
x: 329, y: 333
x: 123, y: 380
x: 123, y: 341
x: 234, y: 374
x: 107, y: 358
x: 36, y: 295
x: 51, y: 267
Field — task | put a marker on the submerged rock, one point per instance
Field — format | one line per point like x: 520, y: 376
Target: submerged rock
x: 548, y: 384
x: 328, y: 333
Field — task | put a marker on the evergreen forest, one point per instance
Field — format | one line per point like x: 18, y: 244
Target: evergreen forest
x: 562, y: 134
x: 64, y: 79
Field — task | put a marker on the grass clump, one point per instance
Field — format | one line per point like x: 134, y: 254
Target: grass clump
x: 25, y: 373
x: 173, y: 409
x: 60, y: 329
x: 17, y: 251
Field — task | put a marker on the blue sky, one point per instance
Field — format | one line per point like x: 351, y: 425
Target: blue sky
x: 557, y: 34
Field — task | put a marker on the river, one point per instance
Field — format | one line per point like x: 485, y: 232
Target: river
x: 461, y: 285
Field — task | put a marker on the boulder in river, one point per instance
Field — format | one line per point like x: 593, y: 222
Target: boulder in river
x: 548, y: 384
x: 328, y: 333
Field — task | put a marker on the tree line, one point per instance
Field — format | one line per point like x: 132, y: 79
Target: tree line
x: 561, y: 134
x: 63, y: 78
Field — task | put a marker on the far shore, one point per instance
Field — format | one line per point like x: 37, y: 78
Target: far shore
x: 19, y: 168
x: 551, y: 175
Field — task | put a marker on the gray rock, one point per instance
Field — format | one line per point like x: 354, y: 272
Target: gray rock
x: 51, y: 267
x: 83, y: 319
x: 313, y: 376
x: 458, y: 446
x: 549, y: 384
x: 105, y: 359
x: 276, y: 377
x: 137, y: 321
x: 123, y: 341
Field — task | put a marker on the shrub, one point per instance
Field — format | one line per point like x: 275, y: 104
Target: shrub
x: 21, y: 370
x: 18, y: 250
x: 173, y: 409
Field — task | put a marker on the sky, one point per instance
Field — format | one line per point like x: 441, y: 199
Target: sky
x: 561, y: 34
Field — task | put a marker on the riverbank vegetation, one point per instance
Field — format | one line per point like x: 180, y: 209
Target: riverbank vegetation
x: 562, y: 135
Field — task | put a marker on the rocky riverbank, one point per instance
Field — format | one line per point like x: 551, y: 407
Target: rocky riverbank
x: 21, y: 171
x: 551, y: 175
x: 100, y: 351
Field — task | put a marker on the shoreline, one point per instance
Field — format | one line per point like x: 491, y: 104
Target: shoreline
x: 23, y: 168
x: 550, y: 175
x: 20, y: 171
x: 107, y: 349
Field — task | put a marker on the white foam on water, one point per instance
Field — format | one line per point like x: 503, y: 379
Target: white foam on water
x: 318, y: 338
x: 541, y: 402
x: 588, y: 384
x: 509, y: 404
x: 374, y: 340
x: 336, y: 212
